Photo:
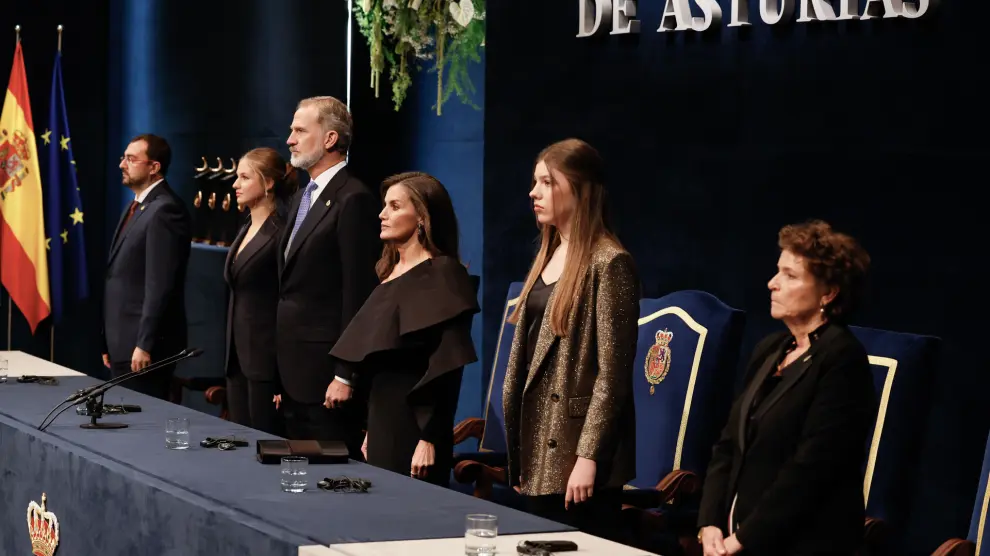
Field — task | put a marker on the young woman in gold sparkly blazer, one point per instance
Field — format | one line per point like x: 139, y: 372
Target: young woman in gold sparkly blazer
x: 568, y: 401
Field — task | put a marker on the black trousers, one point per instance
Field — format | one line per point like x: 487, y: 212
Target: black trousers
x: 155, y: 384
x: 600, y: 515
x: 250, y: 403
x: 314, y: 422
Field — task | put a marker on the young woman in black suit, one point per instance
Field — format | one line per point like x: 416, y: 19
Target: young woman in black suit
x: 251, y: 272
x: 786, y: 476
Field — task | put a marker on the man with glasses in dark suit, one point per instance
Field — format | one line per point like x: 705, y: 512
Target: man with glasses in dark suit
x: 144, y: 308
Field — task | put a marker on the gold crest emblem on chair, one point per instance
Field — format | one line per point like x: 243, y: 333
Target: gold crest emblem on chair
x: 43, y: 528
x: 658, y: 359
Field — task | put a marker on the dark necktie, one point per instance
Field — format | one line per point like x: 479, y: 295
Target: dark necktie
x: 130, y: 213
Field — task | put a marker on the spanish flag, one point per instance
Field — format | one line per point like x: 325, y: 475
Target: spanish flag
x: 23, y: 261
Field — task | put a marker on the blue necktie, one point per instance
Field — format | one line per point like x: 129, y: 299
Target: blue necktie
x: 307, y: 200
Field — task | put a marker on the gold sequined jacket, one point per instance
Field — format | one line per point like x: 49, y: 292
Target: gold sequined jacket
x: 576, y: 397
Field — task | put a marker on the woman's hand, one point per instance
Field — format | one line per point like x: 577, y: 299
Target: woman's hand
x: 364, y: 447
x: 581, y: 484
x: 278, y: 400
x: 423, y: 459
x: 712, y: 543
x: 732, y: 545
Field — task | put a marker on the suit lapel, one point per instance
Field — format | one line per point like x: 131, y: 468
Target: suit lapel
x: 546, y: 340
x: 793, y: 374
x: 290, y: 222
x: 257, y: 243
x: 319, y: 209
x: 754, y: 386
x: 160, y: 189
x: 232, y: 252
x: 116, y: 233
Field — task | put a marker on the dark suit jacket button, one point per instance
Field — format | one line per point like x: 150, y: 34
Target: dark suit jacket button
x: 554, y: 398
x: 552, y: 443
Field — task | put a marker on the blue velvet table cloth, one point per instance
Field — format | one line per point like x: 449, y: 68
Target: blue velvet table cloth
x: 122, y: 492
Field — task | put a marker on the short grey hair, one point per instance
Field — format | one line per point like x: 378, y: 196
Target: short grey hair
x: 333, y: 115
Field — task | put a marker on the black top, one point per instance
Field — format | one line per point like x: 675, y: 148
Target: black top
x: 252, y: 276
x: 536, y: 305
x: 792, y: 467
x: 433, y: 299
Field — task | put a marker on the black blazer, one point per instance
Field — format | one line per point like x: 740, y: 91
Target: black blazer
x: 252, y: 277
x: 144, y: 301
x: 324, y: 279
x: 794, y: 465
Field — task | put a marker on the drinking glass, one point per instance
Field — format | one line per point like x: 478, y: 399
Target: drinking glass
x: 480, y: 531
x: 3, y: 370
x: 177, y: 433
x: 294, y: 471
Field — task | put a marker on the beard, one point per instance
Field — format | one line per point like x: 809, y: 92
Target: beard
x: 305, y: 161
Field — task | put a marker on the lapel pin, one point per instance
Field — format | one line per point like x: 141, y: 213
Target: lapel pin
x: 143, y: 207
x: 808, y: 358
x: 329, y: 203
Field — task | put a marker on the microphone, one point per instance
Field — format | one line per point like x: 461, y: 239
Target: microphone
x: 91, y: 393
x: 102, y: 388
x: 90, y: 389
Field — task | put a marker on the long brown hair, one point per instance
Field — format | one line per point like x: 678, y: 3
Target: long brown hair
x: 438, y: 234
x: 584, y: 169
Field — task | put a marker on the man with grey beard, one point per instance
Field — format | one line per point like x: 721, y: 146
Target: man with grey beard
x: 327, y: 258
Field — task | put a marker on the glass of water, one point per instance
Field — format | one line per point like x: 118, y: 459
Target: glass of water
x: 480, y: 531
x: 294, y: 471
x: 177, y: 433
x: 3, y: 370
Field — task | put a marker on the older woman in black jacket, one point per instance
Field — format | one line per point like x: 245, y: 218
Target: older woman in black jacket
x: 786, y: 475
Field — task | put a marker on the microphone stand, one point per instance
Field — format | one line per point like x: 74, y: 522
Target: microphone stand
x: 90, y: 395
x: 80, y: 394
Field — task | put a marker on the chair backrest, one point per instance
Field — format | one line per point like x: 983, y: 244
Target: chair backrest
x: 686, y: 358
x: 493, y: 438
x: 903, y: 369
x: 979, y: 532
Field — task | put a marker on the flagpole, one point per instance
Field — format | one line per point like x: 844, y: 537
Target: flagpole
x: 51, y: 331
x: 10, y: 301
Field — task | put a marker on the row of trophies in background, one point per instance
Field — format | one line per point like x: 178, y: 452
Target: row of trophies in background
x: 216, y: 214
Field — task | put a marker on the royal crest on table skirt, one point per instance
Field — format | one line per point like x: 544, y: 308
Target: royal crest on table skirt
x: 658, y: 359
x: 43, y: 528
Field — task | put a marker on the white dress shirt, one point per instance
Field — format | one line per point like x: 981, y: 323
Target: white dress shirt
x: 323, y: 179
x: 144, y: 194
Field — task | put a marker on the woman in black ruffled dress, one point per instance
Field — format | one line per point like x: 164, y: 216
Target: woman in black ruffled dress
x: 412, y: 337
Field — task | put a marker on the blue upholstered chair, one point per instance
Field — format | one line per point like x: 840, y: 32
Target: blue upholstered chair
x: 486, y: 468
x: 686, y: 360
x: 904, y: 367
x: 977, y: 543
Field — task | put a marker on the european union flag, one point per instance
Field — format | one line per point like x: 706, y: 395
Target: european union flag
x: 64, y: 237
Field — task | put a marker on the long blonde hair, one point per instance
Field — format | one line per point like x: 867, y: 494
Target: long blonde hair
x: 584, y: 169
